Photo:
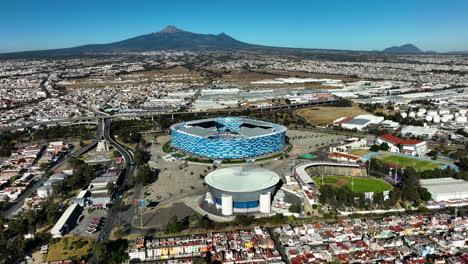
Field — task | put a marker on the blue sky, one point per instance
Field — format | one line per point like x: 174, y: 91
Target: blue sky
x: 336, y: 24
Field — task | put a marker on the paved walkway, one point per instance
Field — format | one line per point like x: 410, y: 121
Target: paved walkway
x: 369, y: 155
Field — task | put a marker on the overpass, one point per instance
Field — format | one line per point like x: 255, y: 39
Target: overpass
x: 149, y: 113
x: 106, y: 134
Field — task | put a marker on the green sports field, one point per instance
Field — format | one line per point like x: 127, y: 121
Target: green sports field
x: 361, y: 185
x: 417, y: 164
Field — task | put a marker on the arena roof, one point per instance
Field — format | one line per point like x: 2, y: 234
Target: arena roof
x: 242, y: 179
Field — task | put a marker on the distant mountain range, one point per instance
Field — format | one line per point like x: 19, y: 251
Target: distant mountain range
x: 404, y: 49
x: 174, y: 38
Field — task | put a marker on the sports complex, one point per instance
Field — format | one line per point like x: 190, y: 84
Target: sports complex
x: 228, y: 138
x: 338, y: 174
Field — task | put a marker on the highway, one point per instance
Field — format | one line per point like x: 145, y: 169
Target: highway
x: 149, y: 113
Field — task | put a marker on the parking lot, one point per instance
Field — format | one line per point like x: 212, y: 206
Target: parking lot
x: 86, y: 219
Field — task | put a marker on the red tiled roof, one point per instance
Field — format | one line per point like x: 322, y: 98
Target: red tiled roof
x: 397, y: 140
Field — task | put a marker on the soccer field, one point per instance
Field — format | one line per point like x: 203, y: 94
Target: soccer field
x: 361, y: 185
x: 417, y: 164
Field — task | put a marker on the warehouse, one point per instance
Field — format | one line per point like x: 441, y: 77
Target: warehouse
x: 446, y: 189
x: 242, y: 189
x: 419, y: 131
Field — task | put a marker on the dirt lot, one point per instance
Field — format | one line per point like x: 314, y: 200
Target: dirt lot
x: 177, y: 74
x: 69, y: 247
x: 243, y: 78
x: 325, y: 115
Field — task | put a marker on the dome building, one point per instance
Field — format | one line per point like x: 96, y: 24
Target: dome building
x: 242, y: 189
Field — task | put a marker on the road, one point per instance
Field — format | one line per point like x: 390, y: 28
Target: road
x: 114, y: 216
x: 172, y: 114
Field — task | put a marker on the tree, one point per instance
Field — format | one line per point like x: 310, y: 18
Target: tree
x: 116, y: 154
x: 144, y: 175
x: 205, y: 222
x: 433, y: 154
x: 243, y: 220
x: 384, y: 146
x: 426, y: 195
x: 175, y: 226
x: 375, y: 148
x: 112, y: 251
x: 295, y: 208
x: 140, y: 156
x: 199, y: 261
x: 400, y: 146
x: 110, y: 187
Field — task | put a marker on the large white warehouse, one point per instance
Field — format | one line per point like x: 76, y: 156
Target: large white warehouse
x: 446, y: 189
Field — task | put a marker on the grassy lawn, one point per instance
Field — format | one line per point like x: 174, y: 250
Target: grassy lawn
x: 359, y: 152
x: 324, y: 115
x: 69, y: 247
x: 361, y: 185
x: 417, y: 164
x: 329, y: 180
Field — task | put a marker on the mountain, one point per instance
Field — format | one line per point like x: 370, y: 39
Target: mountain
x: 168, y: 38
x: 404, y: 49
x: 174, y: 38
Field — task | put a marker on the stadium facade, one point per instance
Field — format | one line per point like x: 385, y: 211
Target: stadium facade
x: 242, y: 189
x: 228, y: 138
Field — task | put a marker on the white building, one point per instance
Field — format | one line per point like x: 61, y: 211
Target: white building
x: 358, y: 122
x: 446, y: 189
x: 44, y: 191
x: 409, y: 147
x: 350, y: 143
x: 419, y: 131
x: 66, y: 221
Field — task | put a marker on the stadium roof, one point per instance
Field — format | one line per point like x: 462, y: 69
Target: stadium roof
x: 198, y: 131
x: 245, y: 127
x: 242, y: 179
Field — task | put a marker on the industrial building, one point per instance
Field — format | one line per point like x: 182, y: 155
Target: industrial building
x: 228, y: 138
x: 359, y: 122
x: 67, y: 221
x: 408, y: 147
x: 419, y: 131
x: 446, y: 189
x: 242, y: 189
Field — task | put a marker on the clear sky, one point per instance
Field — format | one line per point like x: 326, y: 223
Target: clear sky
x: 440, y: 25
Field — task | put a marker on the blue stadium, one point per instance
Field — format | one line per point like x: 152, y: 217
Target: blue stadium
x: 228, y: 138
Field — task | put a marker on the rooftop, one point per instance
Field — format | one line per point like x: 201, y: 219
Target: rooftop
x: 242, y: 179
x: 397, y: 140
x: 445, y: 185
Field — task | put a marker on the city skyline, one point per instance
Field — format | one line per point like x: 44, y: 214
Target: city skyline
x: 430, y: 25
